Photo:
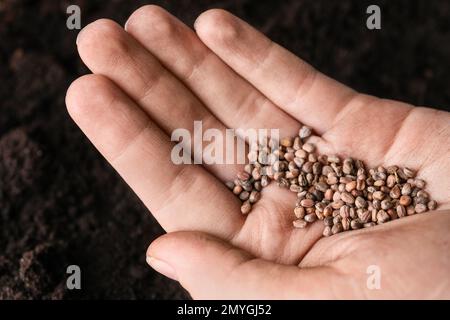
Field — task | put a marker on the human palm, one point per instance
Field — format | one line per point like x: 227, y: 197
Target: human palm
x: 159, y: 75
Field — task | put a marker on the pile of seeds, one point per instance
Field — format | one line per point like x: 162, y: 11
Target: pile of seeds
x: 341, y: 193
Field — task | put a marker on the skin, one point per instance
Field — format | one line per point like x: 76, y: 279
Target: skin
x: 157, y: 75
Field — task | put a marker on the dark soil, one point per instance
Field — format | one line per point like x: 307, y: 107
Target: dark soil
x: 62, y: 204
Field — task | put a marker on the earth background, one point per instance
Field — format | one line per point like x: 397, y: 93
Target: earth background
x: 62, y: 204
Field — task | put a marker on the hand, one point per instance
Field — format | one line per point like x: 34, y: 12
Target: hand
x: 158, y: 75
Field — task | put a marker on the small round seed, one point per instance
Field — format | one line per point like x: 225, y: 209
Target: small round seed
x: 299, y: 212
x: 356, y: 224
x: 347, y: 197
x: 254, y: 197
x: 244, y: 195
x: 307, y: 203
x: 310, y: 217
x: 420, y: 207
x: 308, y: 147
x: 401, y: 211
x: 382, y: 216
x: 299, y: 223
x: 337, y: 228
x: 246, y: 207
x: 432, y: 205
x: 406, y: 190
x: 405, y: 200
x: 304, y: 132
x: 327, y: 231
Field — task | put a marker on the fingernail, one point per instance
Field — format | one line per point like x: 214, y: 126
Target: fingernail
x: 162, y: 267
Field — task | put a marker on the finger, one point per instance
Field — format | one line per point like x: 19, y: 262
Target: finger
x: 211, y: 269
x: 108, y: 50
x: 181, y: 197
x: 289, y: 82
x: 232, y: 99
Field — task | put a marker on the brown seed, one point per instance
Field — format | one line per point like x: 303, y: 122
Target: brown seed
x: 297, y: 143
x: 248, y: 168
x: 376, y: 204
x: 237, y: 190
x: 287, y: 142
x: 246, y: 207
x: 257, y: 185
x: 356, y: 224
x: 304, y: 132
x: 350, y: 186
x: 391, y: 181
x: 392, y: 214
x: 302, y: 154
x: 230, y: 185
x: 307, y: 203
x: 310, y: 217
x: 243, y: 176
x: 347, y: 197
x: 401, y: 211
x: 337, y: 228
x: 299, y: 223
x: 264, y: 181
x: 432, y: 205
x: 386, y: 204
x: 327, y: 231
x: 337, y: 204
x: 420, y: 207
x: 392, y: 169
x: 328, y: 221
x: 334, y: 159
x: 423, y: 194
x: 410, y: 210
x: 344, y: 211
x: 395, y: 192
x: 328, y: 211
x: 360, y: 184
x: 289, y: 156
x: 295, y: 188
x: 332, y: 179
x: 337, y: 219
x: 360, y: 202
x: 319, y: 215
x: 317, y: 168
x: 369, y: 224
x: 419, y: 183
x: 409, y: 173
x: 308, y: 147
x: 406, y: 189
x: 382, y: 216
x: 405, y: 200
x: 254, y: 197
x: 299, y: 212
x: 379, y: 183
x: 374, y: 213
x: 328, y: 194
x: 244, y: 195
x: 378, y: 195
x: 321, y: 186
x: 256, y: 173
x: 345, y: 223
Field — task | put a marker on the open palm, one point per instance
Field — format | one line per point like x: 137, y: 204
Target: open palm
x: 158, y: 75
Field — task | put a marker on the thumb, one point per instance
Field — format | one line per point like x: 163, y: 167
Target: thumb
x: 212, y: 269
